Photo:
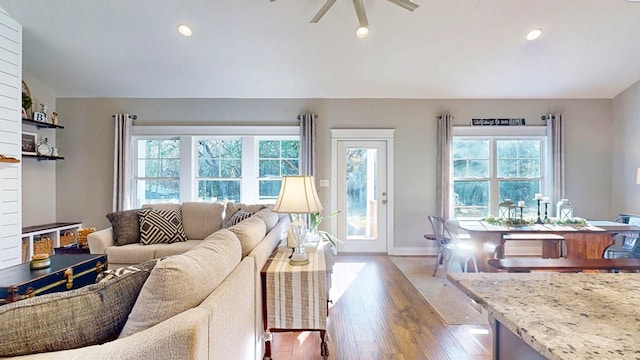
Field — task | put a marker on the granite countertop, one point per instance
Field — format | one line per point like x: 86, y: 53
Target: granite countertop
x: 563, y: 315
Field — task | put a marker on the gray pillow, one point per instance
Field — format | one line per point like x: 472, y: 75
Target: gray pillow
x: 237, y: 218
x: 77, y: 318
x: 126, y: 227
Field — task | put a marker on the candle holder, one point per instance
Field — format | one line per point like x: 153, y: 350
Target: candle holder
x: 539, y: 220
x: 546, y: 204
x: 521, y: 208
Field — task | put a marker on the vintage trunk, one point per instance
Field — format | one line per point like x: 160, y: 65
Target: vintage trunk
x: 66, y: 272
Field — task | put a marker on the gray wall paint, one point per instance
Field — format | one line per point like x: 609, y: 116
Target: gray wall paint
x: 625, y: 193
x: 84, y: 178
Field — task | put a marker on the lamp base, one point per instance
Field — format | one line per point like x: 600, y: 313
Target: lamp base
x: 294, y: 262
x: 299, y: 257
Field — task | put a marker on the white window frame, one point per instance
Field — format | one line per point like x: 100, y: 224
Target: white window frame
x: 506, y: 133
x: 189, y: 136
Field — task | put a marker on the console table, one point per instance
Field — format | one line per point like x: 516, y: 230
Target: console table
x: 296, y: 298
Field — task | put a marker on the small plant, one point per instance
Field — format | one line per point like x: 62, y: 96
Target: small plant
x: 316, y: 220
x: 26, y: 101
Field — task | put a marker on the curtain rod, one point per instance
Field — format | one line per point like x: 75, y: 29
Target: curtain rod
x: 133, y: 116
x: 548, y: 117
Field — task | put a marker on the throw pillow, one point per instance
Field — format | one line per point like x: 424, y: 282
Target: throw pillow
x: 87, y: 316
x: 238, y: 217
x: 183, y: 281
x: 126, y: 227
x: 163, y: 226
x: 111, y: 274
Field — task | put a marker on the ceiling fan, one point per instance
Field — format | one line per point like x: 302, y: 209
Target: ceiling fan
x: 363, y: 30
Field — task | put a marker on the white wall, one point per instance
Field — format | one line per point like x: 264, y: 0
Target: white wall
x: 39, y: 177
x: 625, y: 193
x: 84, y: 179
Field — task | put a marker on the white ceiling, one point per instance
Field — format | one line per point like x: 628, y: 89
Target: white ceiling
x: 262, y: 49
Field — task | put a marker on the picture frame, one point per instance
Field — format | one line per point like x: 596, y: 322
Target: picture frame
x: 29, y: 143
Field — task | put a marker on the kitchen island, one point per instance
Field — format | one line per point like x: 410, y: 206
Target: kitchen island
x: 559, y: 315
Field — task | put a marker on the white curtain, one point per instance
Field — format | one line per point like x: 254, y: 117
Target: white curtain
x: 443, y: 165
x: 308, y: 144
x: 555, y: 134
x: 122, y: 162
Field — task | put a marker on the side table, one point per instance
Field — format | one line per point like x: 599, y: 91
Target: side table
x: 296, y: 298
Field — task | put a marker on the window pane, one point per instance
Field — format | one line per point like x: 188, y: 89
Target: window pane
x: 208, y: 168
x: 290, y: 149
x: 507, y: 168
x: 529, y: 168
x: 269, y: 168
x: 478, y: 168
x: 530, y: 149
x: 219, y: 190
x: 471, y: 198
x: 460, y: 168
x: 290, y: 167
x: 158, y: 191
x: 170, y: 168
x: 459, y: 149
x: 169, y: 149
x: 507, y: 149
x: 520, y: 190
x: 269, y: 149
x: 478, y: 149
x: 231, y: 168
x: 269, y: 189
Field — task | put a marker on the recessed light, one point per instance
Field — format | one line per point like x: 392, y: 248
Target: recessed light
x: 362, y: 32
x: 184, y: 30
x: 534, y: 34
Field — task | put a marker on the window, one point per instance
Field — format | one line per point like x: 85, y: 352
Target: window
x: 157, y: 173
x: 175, y: 167
x: 276, y: 158
x: 487, y: 170
x: 219, y: 170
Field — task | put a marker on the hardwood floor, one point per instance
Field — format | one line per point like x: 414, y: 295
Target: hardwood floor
x: 378, y: 314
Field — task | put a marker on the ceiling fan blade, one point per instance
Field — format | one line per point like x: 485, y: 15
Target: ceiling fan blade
x: 323, y: 10
x: 407, y: 4
x: 360, y: 12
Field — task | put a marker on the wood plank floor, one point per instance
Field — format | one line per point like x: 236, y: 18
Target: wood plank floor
x: 378, y: 314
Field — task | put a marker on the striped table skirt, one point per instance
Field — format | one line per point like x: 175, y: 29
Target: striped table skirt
x: 297, y: 295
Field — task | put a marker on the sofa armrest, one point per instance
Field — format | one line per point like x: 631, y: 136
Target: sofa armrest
x: 99, y: 241
x: 184, y: 336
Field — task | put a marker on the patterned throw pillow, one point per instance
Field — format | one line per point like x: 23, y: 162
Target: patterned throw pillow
x: 110, y: 274
x: 162, y: 226
x: 66, y: 320
x: 125, y: 225
x: 237, y: 217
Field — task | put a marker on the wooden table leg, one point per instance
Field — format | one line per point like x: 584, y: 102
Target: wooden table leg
x: 551, y: 249
x: 324, y: 349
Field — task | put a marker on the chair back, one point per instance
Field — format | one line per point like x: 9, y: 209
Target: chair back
x: 440, y: 230
x: 630, y: 240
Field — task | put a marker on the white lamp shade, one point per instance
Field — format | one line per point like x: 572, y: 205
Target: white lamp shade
x: 298, y: 195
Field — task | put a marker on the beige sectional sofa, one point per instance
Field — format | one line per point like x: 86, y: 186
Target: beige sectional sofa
x: 203, y: 301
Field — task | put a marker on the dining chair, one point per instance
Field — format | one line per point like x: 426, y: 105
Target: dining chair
x: 450, y: 247
x: 629, y: 245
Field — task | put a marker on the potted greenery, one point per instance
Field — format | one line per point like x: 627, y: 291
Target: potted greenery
x: 315, y: 220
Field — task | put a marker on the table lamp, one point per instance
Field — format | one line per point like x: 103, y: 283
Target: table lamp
x: 298, y: 196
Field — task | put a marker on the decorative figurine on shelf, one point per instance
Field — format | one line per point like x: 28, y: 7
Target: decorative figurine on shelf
x: 54, y: 118
x: 44, y: 148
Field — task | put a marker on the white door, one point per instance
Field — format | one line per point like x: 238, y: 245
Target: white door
x: 362, y: 195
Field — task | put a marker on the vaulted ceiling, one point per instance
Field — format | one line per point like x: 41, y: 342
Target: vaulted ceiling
x: 268, y: 49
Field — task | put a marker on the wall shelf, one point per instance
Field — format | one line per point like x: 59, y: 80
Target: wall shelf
x: 42, y: 157
x: 41, y: 125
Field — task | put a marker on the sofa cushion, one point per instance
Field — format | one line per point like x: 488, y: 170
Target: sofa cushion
x: 183, y: 281
x: 135, y: 253
x: 111, y: 274
x: 163, y: 226
x: 270, y: 218
x: 250, y: 232
x: 237, y: 218
x: 201, y: 219
x: 126, y: 226
x: 87, y: 316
